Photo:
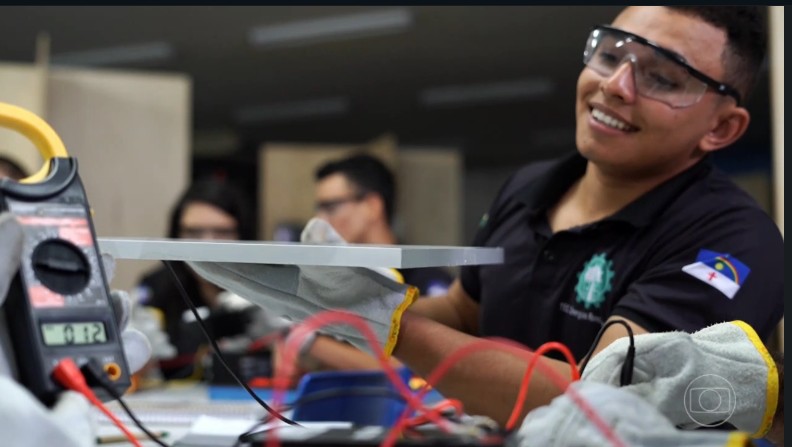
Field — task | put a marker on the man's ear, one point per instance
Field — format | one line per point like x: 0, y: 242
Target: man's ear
x: 728, y: 127
x: 375, y: 204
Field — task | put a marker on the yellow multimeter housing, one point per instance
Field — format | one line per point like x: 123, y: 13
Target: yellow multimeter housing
x: 59, y: 303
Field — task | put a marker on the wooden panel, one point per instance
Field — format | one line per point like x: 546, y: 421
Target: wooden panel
x: 777, y: 99
x: 430, y: 192
x: 131, y: 136
x: 22, y: 85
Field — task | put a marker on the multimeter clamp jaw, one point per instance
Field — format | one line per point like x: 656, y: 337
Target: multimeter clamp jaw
x: 63, y: 172
x: 59, y: 303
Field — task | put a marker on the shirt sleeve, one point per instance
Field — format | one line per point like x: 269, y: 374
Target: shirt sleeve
x: 730, y: 268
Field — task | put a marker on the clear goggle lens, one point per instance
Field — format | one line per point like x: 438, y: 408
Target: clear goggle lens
x: 657, y: 75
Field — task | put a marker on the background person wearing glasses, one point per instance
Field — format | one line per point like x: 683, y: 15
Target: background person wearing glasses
x: 356, y: 195
x: 208, y: 210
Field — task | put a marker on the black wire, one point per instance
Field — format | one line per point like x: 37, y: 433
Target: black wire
x: 98, y: 374
x: 626, y: 375
x: 137, y: 422
x: 217, y: 352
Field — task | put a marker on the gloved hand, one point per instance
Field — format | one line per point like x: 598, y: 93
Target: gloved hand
x: 319, y: 231
x: 23, y: 419
x: 149, y: 322
x: 297, y: 292
x: 137, y: 347
x: 720, y: 373
x: 632, y: 420
x: 11, y: 238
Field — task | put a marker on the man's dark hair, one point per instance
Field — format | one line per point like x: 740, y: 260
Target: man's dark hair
x: 11, y: 168
x: 221, y: 195
x: 746, y: 31
x: 368, y: 175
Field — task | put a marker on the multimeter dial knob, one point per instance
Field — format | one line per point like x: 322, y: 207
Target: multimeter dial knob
x: 61, y: 266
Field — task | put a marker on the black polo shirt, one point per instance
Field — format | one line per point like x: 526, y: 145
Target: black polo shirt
x: 694, y: 251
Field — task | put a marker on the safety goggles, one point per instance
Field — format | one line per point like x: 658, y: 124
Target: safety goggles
x: 331, y: 206
x: 659, y: 73
x: 208, y: 232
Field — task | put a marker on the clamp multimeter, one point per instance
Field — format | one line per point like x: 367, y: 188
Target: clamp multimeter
x: 58, y: 304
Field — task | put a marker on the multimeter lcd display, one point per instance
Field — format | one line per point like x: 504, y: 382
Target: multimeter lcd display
x: 76, y: 333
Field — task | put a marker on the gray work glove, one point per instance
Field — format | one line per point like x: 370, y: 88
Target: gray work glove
x: 632, y: 420
x: 722, y: 373
x: 297, y: 292
x: 24, y: 420
x: 319, y: 231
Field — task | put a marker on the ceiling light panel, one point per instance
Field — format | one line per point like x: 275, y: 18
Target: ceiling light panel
x: 520, y: 89
x: 332, y: 28
x: 293, y: 110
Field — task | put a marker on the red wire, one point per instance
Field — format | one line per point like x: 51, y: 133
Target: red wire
x: 523, y: 393
x: 264, y: 341
x: 311, y: 324
x: 438, y: 409
x: 69, y: 375
x: 520, y: 351
x: 299, y: 334
x: 316, y: 322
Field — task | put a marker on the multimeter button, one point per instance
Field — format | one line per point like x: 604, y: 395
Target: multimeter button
x: 113, y: 370
x: 61, y: 266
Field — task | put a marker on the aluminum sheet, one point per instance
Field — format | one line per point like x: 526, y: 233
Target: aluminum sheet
x: 264, y: 252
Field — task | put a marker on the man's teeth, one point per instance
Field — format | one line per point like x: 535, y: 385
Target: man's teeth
x: 609, y: 120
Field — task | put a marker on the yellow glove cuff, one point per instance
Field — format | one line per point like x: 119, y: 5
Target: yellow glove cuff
x: 772, y: 379
x: 393, y: 334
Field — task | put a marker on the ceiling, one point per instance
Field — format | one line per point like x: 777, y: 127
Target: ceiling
x: 356, y: 88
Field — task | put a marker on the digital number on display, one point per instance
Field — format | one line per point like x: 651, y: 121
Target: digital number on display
x: 77, y: 333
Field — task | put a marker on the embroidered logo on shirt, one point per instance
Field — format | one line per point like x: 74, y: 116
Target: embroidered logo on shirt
x: 720, y: 270
x: 594, y: 281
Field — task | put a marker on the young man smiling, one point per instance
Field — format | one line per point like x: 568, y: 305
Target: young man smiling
x: 637, y: 225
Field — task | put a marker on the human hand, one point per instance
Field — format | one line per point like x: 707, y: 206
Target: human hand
x: 298, y: 292
x: 722, y: 373
x: 11, y: 238
x: 319, y: 231
x: 628, y: 418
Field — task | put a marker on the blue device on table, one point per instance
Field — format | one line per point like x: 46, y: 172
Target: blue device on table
x: 360, y: 397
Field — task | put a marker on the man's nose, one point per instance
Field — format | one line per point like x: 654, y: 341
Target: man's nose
x: 621, y: 83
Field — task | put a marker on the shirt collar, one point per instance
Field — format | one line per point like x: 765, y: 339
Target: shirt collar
x: 546, y: 190
x: 651, y: 205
